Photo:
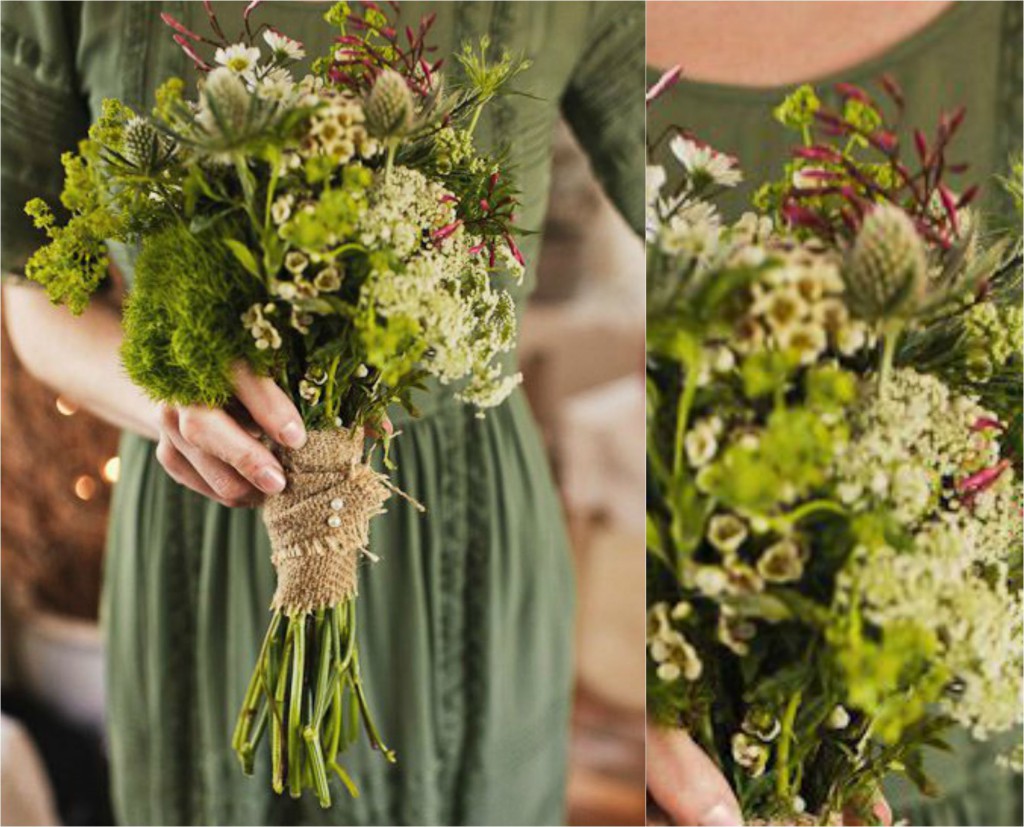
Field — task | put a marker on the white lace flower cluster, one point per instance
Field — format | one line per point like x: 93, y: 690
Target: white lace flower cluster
x: 931, y: 458
x: 915, y: 443
x: 406, y: 209
x: 442, y: 285
x: 975, y: 618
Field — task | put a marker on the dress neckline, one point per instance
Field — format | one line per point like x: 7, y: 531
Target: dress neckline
x: 862, y: 70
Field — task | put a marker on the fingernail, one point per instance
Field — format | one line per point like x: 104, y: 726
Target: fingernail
x: 721, y: 815
x: 293, y: 435
x: 271, y: 481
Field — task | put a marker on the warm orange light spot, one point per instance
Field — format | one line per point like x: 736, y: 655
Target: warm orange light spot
x: 66, y: 407
x: 85, y: 487
x: 111, y: 469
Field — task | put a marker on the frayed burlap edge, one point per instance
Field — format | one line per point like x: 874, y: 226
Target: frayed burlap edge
x: 321, y: 522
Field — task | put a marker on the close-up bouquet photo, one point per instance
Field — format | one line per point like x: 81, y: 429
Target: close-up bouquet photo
x: 288, y: 249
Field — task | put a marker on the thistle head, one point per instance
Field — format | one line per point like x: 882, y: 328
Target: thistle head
x: 225, y: 103
x: 886, y: 271
x: 141, y: 143
x: 390, y: 109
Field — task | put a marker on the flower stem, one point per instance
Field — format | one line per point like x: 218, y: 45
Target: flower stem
x: 691, y: 376
x: 392, y: 148
x: 782, y: 780
x: 298, y: 621
x: 890, y: 335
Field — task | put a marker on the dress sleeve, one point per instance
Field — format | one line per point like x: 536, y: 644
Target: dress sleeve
x: 604, y: 103
x: 42, y: 115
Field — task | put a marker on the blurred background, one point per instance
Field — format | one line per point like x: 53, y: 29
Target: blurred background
x: 582, y: 350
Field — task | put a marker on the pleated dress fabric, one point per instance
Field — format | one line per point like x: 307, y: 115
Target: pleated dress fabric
x: 465, y: 625
x: 969, y: 55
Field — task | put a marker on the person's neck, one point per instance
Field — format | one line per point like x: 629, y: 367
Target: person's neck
x: 776, y: 43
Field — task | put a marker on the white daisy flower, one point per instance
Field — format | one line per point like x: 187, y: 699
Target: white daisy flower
x: 700, y: 159
x: 283, y: 46
x: 239, y: 58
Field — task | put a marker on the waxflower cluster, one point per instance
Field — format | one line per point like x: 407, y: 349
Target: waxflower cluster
x: 340, y: 232
x: 834, y: 512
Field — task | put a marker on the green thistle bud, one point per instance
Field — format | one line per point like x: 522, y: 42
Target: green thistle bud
x: 224, y: 110
x: 887, y: 272
x: 141, y: 143
x: 389, y: 107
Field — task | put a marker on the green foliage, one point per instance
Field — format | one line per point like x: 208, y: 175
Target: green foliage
x: 797, y: 110
x: 180, y: 344
x: 790, y: 458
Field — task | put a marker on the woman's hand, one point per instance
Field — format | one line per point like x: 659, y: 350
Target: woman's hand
x: 219, y: 455
x: 685, y: 783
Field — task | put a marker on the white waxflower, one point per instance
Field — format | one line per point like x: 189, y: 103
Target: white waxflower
x: 701, y: 160
x: 701, y: 444
x: 295, y: 262
x: 808, y: 341
x: 781, y: 562
x: 327, y: 280
x: 239, y: 58
x: 749, y: 753
x: 282, y: 46
x: 281, y: 209
x: 726, y: 532
x: 838, y: 718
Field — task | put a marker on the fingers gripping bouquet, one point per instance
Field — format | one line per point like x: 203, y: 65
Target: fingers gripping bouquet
x: 340, y: 233
x: 834, y: 520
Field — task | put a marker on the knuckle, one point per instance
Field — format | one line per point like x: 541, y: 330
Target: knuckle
x: 169, y: 418
x: 249, y: 461
x: 167, y: 456
x: 190, y: 427
x: 227, y: 486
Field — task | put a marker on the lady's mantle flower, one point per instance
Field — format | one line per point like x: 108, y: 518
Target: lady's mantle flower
x: 701, y: 162
x: 239, y: 58
x: 282, y: 46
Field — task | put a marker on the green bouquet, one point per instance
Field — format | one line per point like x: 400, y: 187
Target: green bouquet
x: 340, y: 233
x: 834, y: 513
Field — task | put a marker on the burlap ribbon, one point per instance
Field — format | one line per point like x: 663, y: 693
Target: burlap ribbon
x: 321, y: 522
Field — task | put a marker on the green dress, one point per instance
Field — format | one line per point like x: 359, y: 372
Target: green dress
x: 970, y: 54
x: 466, y: 623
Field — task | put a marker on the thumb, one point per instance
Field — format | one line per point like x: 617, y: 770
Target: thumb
x: 685, y: 783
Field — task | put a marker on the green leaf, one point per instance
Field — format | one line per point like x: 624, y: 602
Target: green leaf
x: 244, y: 256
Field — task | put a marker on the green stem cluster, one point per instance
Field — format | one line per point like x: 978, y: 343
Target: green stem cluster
x: 307, y: 690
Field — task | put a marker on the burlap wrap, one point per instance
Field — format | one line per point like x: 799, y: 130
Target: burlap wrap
x: 315, y: 545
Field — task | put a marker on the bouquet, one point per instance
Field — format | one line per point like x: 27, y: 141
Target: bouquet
x: 340, y: 233
x: 834, y: 516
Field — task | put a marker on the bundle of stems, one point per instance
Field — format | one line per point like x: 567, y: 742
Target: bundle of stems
x: 306, y: 689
